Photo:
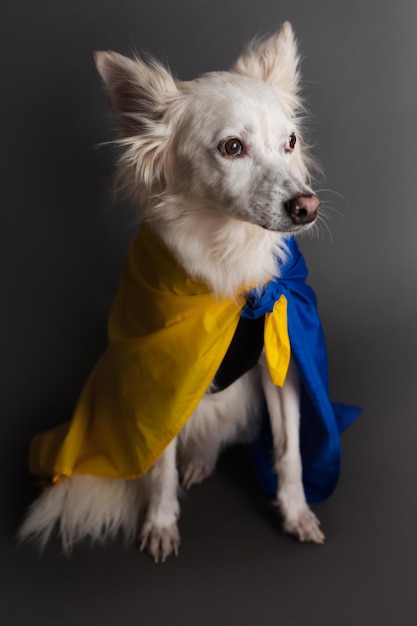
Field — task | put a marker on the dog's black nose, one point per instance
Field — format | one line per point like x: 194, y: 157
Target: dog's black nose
x: 302, y: 209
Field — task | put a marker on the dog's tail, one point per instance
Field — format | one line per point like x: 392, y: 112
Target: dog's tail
x: 84, y: 507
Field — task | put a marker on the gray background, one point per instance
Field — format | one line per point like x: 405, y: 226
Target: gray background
x: 63, y: 245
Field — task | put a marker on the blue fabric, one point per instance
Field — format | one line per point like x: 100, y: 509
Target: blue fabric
x: 321, y: 420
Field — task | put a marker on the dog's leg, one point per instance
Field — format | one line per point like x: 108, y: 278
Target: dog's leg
x: 160, y: 531
x: 202, y: 439
x: 284, y: 411
x: 221, y: 418
x: 197, y: 466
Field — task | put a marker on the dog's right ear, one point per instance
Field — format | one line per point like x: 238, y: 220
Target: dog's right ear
x: 137, y: 91
x: 139, y: 95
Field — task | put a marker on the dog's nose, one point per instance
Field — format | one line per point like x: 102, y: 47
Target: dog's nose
x: 302, y: 209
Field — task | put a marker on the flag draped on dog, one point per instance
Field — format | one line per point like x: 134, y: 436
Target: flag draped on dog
x: 168, y: 336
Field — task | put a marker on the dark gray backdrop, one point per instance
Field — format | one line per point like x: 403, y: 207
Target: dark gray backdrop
x: 63, y: 245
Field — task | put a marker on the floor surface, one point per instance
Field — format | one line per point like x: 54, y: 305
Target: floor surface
x: 235, y: 564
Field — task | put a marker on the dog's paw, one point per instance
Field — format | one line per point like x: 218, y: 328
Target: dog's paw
x: 160, y: 541
x: 298, y: 519
x: 194, y: 472
x: 304, y: 525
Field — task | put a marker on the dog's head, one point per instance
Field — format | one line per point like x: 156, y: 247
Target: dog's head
x: 226, y: 143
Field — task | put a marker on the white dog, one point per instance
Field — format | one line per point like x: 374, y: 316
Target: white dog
x: 218, y: 169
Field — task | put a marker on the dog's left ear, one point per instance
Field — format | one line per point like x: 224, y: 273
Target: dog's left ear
x: 275, y: 61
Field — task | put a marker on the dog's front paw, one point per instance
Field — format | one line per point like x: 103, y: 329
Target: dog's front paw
x: 160, y: 541
x: 305, y: 526
x: 298, y: 519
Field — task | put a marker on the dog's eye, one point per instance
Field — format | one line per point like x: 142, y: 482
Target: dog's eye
x: 291, y: 141
x: 231, y: 147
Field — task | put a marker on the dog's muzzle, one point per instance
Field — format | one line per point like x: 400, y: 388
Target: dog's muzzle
x: 302, y: 209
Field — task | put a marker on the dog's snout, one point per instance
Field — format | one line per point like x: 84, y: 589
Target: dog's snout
x: 303, y: 209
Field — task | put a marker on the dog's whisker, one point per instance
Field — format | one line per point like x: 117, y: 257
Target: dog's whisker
x: 325, y: 215
x: 321, y: 221
x: 318, y: 230
x: 326, y: 206
x: 336, y: 193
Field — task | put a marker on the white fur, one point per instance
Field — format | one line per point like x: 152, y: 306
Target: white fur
x: 84, y: 506
x: 225, y: 219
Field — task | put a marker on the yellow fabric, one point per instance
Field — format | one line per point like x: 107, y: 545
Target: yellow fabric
x: 277, y: 344
x: 167, y: 338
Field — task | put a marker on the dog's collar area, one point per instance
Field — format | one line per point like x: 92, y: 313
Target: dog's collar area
x: 251, y: 299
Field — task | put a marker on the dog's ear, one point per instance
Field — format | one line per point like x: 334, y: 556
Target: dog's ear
x: 137, y: 91
x: 139, y: 95
x: 275, y: 61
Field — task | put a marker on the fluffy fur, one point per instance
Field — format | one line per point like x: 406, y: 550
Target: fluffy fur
x: 224, y: 216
